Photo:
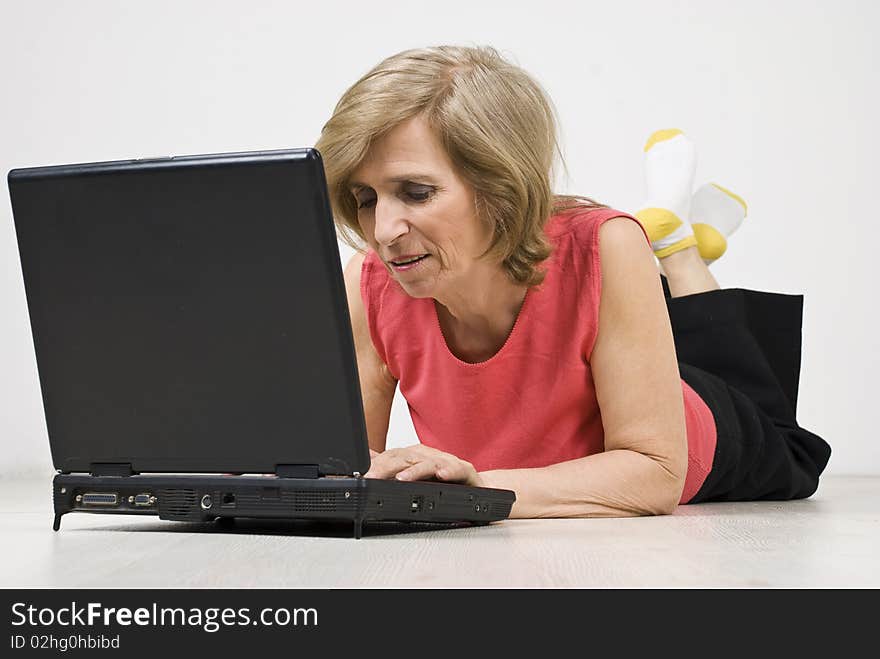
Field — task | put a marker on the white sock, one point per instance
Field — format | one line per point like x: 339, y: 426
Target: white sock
x: 716, y: 213
x: 670, y: 162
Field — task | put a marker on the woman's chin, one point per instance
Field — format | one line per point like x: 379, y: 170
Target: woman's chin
x: 418, y: 282
x: 417, y: 289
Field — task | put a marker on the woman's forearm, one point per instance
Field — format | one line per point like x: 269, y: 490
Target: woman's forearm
x: 618, y: 483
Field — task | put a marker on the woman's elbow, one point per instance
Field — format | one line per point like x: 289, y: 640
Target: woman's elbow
x: 666, y: 504
x: 670, y: 487
x: 662, y: 502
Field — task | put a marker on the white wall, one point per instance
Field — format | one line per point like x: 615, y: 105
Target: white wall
x: 778, y: 96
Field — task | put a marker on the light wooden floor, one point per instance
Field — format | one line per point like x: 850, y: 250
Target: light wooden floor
x: 830, y: 540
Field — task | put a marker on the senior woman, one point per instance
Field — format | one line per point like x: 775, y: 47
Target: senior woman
x: 529, y: 332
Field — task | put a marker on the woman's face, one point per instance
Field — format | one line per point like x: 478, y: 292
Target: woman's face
x: 411, y: 203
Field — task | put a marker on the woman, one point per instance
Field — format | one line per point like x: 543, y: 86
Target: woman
x: 528, y: 331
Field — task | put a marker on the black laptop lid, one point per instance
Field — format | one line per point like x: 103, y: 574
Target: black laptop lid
x: 189, y: 314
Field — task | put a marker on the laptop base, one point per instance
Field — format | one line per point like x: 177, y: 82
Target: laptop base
x: 202, y: 498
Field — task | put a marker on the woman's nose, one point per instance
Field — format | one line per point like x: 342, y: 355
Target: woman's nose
x: 390, y: 220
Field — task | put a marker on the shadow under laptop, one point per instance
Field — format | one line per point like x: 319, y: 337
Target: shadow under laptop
x: 302, y: 528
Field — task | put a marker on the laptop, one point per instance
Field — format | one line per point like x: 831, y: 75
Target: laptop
x: 194, y: 347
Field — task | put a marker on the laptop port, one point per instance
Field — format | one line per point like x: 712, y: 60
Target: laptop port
x: 145, y: 499
x: 416, y: 505
x: 228, y: 499
x: 99, y: 499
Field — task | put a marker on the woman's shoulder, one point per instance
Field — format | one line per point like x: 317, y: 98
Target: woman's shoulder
x: 575, y: 238
x: 580, y: 226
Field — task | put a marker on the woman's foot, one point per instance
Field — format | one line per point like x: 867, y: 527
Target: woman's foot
x: 670, y: 162
x: 716, y: 213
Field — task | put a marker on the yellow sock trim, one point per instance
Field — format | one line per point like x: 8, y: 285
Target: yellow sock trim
x: 711, y: 242
x: 660, y: 136
x: 735, y: 196
x: 658, y: 222
x: 684, y: 243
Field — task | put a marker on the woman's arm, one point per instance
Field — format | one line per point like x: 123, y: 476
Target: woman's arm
x: 377, y: 383
x: 638, y: 387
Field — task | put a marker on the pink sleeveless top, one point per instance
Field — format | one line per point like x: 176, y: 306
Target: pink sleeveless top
x: 533, y: 403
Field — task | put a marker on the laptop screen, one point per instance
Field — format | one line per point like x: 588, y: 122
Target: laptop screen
x: 189, y: 314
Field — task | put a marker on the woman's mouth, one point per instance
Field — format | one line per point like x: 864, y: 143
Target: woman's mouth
x: 408, y: 263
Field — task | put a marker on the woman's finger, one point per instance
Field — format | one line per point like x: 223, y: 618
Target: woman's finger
x: 420, y: 462
x: 420, y: 471
x: 389, y: 463
x: 459, y: 471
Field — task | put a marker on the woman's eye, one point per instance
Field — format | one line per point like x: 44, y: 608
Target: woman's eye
x: 418, y: 196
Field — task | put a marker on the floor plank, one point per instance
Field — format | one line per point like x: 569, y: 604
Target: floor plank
x: 830, y: 540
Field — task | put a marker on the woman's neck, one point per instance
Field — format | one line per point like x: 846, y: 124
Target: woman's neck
x: 478, y: 314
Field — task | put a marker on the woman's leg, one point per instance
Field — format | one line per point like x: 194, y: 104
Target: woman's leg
x: 687, y: 274
x: 740, y: 351
x: 748, y: 333
x: 755, y: 456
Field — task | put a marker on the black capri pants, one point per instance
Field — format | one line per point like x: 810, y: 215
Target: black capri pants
x: 740, y: 350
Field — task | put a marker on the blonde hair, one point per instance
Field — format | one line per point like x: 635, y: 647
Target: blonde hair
x: 498, y: 127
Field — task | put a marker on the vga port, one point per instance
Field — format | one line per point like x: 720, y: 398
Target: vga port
x: 143, y: 499
x: 100, y: 499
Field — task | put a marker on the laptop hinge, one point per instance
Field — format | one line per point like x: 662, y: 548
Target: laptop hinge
x: 111, y: 469
x: 297, y: 471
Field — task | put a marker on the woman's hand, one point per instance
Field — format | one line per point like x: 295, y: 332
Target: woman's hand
x: 420, y: 462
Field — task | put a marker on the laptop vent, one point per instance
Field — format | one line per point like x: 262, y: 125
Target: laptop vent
x: 325, y: 502
x: 177, y: 502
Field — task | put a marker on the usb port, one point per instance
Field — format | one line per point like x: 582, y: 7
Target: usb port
x: 100, y: 499
x: 416, y: 505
